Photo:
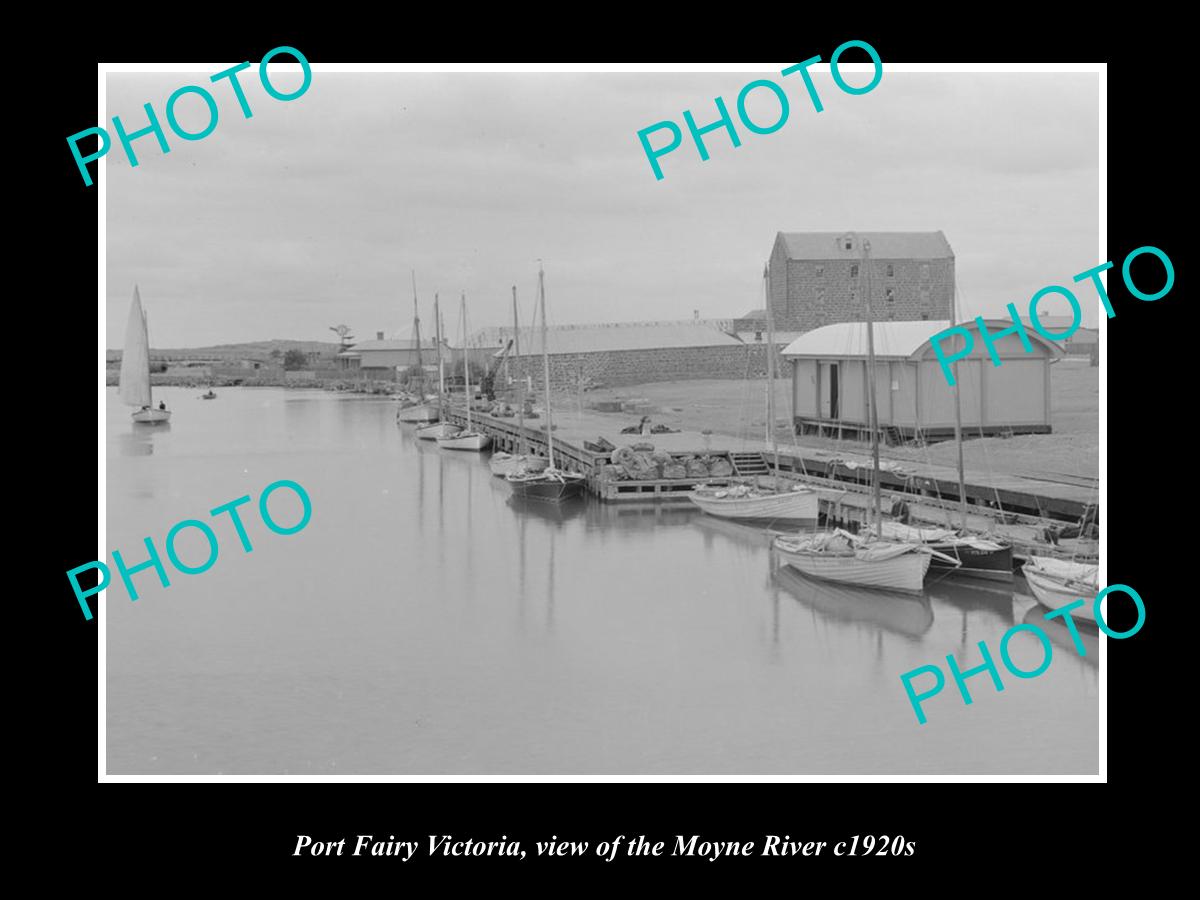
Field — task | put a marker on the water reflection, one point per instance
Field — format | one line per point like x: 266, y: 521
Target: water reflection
x: 896, y: 613
x: 427, y: 622
x: 1060, y: 635
x: 139, y: 440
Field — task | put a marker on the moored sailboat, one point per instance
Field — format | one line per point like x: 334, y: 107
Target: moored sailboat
x: 134, y: 389
x: 978, y: 557
x: 866, y: 560
x: 501, y: 462
x: 421, y: 411
x: 551, y: 483
x: 467, y: 439
x: 1057, y: 582
x: 440, y: 428
x: 796, y: 506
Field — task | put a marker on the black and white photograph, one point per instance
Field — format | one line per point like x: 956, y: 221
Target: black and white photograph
x: 566, y: 422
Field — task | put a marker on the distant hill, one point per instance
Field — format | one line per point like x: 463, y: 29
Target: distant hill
x: 253, y: 350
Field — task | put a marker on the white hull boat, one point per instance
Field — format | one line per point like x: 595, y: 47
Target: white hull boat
x: 465, y: 440
x: 843, y: 557
x: 420, y: 413
x: 741, y: 502
x: 1058, y: 582
x: 134, y: 385
x: 152, y: 416
x: 438, y: 430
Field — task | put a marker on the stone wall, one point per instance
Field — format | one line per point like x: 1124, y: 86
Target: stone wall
x: 624, y: 367
x: 806, y: 294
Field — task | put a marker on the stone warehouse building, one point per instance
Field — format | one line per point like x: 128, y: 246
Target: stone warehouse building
x: 583, y: 356
x: 817, y: 278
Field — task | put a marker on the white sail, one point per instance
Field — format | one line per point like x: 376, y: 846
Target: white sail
x: 135, y: 359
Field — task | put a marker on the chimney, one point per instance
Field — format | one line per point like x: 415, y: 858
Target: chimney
x: 379, y: 335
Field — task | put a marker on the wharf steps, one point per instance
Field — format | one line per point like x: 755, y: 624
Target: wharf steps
x: 1019, y: 507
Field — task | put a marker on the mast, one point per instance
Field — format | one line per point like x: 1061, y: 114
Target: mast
x: 771, y: 377
x: 962, y: 478
x: 873, y: 418
x: 546, y: 364
x: 466, y: 355
x: 522, y: 448
x: 417, y: 333
x: 437, y: 328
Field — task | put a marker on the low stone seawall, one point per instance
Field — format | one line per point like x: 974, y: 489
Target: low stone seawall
x: 616, y: 368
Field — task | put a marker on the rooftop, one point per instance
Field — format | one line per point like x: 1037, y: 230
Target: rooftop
x: 884, y: 244
x: 894, y: 340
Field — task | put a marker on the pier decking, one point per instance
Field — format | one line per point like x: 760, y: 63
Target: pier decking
x: 930, y: 490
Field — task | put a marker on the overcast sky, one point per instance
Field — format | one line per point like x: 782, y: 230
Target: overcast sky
x: 314, y: 211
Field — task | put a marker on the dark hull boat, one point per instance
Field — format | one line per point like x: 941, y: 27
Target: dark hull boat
x: 976, y: 557
x: 550, y: 485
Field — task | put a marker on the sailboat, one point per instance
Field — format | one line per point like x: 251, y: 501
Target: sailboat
x: 135, y: 368
x: 796, y: 506
x: 468, y: 439
x: 959, y: 550
x: 421, y: 411
x: 1057, y: 582
x: 503, y: 463
x: 441, y: 428
x: 866, y: 560
x: 551, y: 483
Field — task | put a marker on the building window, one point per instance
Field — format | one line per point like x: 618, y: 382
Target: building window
x: 854, y: 271
x: 891, y: 270
x: 758, y: 335
x: 890, y: 295
x: 849, y: 245
x: 924, y: 296
x: 925, y: 270
x: 853, y: 296
x: 820, y: 295
x: 924, y: 315
x: 820, y: 271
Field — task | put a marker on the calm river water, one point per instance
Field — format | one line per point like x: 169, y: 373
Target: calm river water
x: 424, y: 624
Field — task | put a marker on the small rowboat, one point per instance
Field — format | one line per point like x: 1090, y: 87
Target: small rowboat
x: 465, y: 440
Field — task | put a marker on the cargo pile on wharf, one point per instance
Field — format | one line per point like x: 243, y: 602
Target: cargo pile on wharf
x: 1051, y: 518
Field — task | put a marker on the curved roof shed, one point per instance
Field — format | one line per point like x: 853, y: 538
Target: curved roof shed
x: 829, y: 380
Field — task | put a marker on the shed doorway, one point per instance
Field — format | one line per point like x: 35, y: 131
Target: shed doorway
x: 829, y: 391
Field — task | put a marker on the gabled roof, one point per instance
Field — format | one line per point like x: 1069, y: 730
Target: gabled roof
x: 819, y: 245
x: 623, y: 336
x: 893, y: 340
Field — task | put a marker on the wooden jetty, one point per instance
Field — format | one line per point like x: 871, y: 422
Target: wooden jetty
x: 1018, y: 506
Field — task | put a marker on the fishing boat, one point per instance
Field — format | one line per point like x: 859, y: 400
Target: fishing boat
x: 1057, y: 582
x: 418, y: 410
x: 794, y: 505
x: 441, y: 428
x: 978, y: 557
x: 134, y: 387
x: 467, y: 439
x: 210, y: 394
x: 551, y: 484
x: 867, y: 560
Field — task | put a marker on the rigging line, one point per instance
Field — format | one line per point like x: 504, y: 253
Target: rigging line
x: 959, y: 294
